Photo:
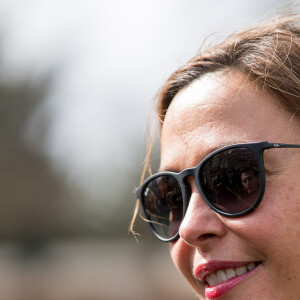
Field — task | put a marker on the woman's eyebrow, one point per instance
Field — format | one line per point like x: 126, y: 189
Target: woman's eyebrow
x: 201, y: 157
x: 168, y: 169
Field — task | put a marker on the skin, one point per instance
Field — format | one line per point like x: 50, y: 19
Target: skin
x: 221, y: 109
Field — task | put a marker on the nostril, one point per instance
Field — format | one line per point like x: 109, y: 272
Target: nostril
x: 205, y: 236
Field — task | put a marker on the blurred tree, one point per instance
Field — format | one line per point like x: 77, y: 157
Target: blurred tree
x: 34, y: 203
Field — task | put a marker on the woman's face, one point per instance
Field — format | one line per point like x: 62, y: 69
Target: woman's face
x: 222, y: 109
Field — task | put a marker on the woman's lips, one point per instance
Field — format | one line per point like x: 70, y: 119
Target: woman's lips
x: 222, y: 276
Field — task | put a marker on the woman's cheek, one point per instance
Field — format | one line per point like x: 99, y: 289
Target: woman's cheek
x: 183, y: 256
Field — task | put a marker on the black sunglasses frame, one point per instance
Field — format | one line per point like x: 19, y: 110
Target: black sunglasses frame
x: 256, y: 148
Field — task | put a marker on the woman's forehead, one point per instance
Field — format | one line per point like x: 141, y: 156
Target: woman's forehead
x: 223, y: 96
x: 215, y: 92
x: 219, y: 108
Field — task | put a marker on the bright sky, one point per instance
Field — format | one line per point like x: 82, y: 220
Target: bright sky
x: 109, y: 58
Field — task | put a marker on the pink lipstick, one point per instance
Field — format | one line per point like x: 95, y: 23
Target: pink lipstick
x: 222, y: 276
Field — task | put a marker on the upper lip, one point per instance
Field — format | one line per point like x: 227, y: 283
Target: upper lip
x: 204, y: 269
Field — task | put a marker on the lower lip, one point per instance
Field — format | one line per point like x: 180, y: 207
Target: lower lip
x: 222, y: 288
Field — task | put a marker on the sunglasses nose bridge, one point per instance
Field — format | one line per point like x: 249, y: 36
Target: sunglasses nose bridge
x: 187, y: 173
x: 184, y: 176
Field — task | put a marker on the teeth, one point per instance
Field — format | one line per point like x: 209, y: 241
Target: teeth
x: 224, y: 275
x: 230, y: 273
x: 213, y: 279
x: 241, y: 270
x: 250, y: 266
x: 221, y: 276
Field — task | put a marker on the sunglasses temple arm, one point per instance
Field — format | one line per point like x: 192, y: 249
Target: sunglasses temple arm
x: 277, y: 145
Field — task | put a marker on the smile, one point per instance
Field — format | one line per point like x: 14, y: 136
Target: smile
x: 220, y: 277
x: 224, y: 275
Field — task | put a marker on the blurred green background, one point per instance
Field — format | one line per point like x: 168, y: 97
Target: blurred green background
x: 76, y: 82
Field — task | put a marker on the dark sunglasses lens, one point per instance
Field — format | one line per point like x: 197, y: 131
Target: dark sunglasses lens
x: 163, y: 205
x: 231, y: 180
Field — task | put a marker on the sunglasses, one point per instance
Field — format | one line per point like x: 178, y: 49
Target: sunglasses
x: 231, y: 180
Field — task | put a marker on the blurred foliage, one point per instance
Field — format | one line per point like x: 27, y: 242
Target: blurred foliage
x: 37, y: 204
x: 34, y: 201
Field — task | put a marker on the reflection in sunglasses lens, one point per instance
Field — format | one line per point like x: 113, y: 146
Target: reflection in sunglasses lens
x: 231, y: 180
x: 163, y: 205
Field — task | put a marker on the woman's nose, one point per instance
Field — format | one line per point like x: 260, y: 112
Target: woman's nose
x: 200, y: 222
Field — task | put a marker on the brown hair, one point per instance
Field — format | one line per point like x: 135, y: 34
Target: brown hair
x: 268, y: 53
